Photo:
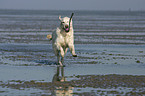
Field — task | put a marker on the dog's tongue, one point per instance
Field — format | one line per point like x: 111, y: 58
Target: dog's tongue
x: 67, y: 29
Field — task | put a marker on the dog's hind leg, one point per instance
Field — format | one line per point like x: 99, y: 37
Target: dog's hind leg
x: 62, y: 60
x: 62, y: 54
x: 65, y: 51
x: 57, y: 53
x: 59, y: 60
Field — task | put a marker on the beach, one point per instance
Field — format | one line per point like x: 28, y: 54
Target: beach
x: 110, y: 46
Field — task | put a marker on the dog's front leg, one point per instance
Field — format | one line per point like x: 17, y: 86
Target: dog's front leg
x: 60, y: 57
x: 72, y: 50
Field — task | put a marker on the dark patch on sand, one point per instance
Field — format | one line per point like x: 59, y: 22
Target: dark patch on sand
x: 137, y: 83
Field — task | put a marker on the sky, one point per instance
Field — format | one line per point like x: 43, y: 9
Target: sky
x: 73, y: 4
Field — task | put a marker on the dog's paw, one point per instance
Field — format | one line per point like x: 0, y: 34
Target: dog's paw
x: 75, y: 55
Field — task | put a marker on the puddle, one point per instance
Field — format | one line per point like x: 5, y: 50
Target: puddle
x: 26, y: 73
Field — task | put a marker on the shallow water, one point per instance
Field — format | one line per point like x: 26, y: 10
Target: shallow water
x: 27, y: 62
x: 110, y: 48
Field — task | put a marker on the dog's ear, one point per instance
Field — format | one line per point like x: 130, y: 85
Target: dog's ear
x: 60, y: 18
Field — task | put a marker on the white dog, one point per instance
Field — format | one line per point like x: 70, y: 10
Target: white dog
x: 62, y: 39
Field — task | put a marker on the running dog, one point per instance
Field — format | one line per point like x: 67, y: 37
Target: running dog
x: 62, y: 39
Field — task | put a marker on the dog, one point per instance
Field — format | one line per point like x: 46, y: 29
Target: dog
x: 62, y: 39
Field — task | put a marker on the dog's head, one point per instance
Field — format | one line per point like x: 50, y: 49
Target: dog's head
x: 65, y: 25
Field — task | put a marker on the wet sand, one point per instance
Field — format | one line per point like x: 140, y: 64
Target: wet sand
x: 110, y: 49
x: 99, y: 85
x: 98, y: 70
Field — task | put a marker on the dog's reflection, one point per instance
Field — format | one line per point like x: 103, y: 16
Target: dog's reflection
x: 61, y: 90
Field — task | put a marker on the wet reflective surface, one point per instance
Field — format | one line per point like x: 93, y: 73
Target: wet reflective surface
x: 110, y: 48
x: 99, y: 69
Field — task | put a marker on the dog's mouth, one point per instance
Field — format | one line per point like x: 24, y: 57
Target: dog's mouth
x: 66, y: 28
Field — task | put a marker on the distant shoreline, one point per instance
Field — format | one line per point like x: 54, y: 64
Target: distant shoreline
x: 77, y: 12
x: 129, y: 10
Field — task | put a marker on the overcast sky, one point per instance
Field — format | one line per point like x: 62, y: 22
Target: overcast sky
x: 74, y: 4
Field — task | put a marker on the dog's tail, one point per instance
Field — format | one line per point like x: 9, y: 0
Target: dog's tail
x: 49, y: 37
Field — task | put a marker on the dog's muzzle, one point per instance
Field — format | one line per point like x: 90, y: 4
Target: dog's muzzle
x: 66, y: 28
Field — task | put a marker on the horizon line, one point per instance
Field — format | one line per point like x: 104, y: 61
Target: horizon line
x: 69, y: 9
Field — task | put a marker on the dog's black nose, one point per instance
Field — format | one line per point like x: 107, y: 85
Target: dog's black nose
x: 66, y: 26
